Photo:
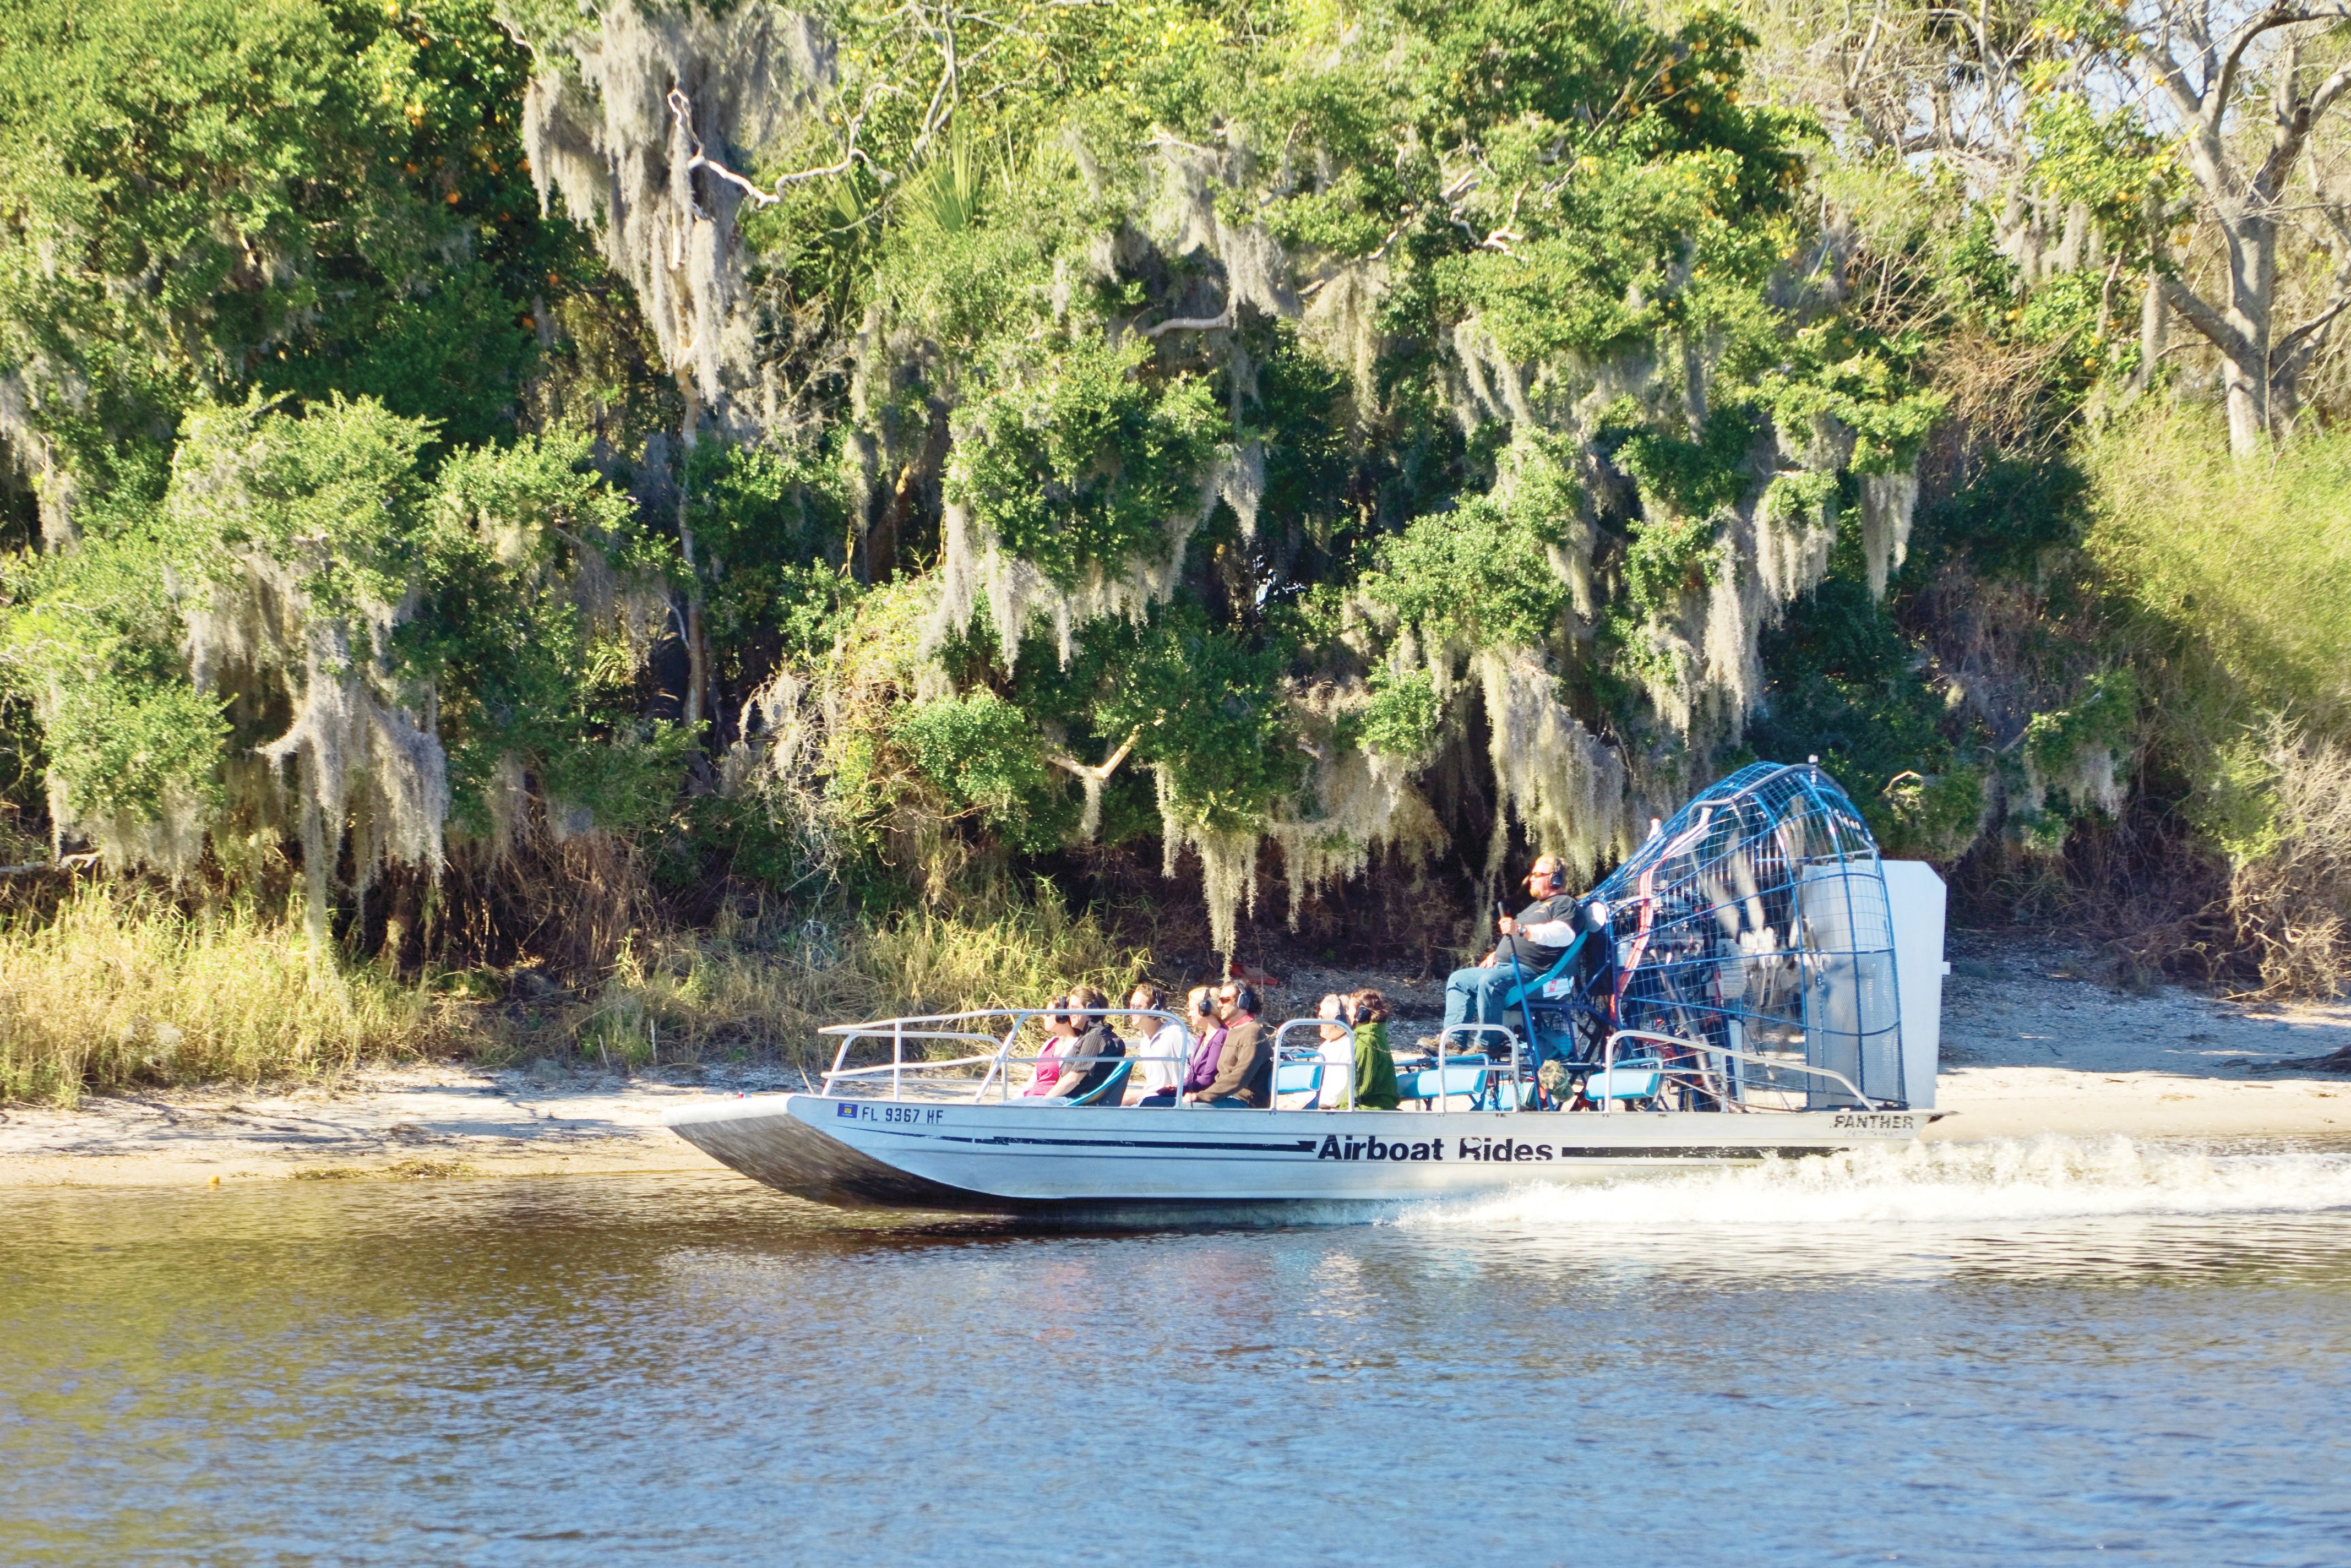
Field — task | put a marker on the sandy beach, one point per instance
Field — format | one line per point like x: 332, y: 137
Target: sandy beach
x: 2031, y: 1045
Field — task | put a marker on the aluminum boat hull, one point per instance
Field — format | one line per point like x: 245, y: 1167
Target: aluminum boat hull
x: 1009, y: 1158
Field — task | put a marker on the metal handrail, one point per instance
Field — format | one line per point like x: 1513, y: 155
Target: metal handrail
x: 1273, y: 1100
x: 1510, y: 1041
x: 899, y: 1031
x: 1608, y: 1063
x: 1000, y: 1058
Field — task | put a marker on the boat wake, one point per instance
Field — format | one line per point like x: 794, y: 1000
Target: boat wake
x: 1938, y: 1184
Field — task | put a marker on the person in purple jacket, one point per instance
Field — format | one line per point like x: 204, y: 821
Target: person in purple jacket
x: 1201, y: 1071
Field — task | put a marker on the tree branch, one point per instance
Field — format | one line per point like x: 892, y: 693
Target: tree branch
x: 62, y: 862
x: 2174, y: 81
x: 2280, y: 14
x: 2207, y: 320
x: 2219, y: 85
x: 1195, y: 323
x: 2299, y: 347
x: 681, y: 109
x: 2332, y: 89
x: 1109, y: 763
x: 1494, y: 240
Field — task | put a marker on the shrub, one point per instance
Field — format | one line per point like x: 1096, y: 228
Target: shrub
x: 2290, y: 895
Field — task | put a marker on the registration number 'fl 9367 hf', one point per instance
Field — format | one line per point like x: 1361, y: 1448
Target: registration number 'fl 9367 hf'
x: 912, y: 1116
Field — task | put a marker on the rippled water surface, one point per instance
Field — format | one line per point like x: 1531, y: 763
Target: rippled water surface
x: 1999, y: 1354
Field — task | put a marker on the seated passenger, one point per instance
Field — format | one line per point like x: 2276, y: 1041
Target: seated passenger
x: 1375, y: 1074
x: 1165, y: 1048
x: 1337, y: 1056
x: 1535, y: 938
x: 1059, y: 1033
x: 1207, y: 1038
x: 1245, y: 1055
x: 1090, y: 1052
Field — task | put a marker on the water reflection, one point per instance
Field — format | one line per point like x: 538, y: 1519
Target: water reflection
x: 2002, y: 1355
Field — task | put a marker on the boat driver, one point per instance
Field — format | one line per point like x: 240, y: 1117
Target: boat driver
x: 1536, y: 937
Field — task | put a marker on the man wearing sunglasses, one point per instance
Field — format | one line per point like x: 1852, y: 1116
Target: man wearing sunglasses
x: 1539, y: 934
x: 1245, y: 1059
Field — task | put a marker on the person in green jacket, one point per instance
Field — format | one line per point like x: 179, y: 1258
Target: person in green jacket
x: 1375, y: 1079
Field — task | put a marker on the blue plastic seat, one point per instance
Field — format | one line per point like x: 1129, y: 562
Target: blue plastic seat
x: 1303, y: 1076
x: 1460, y: 1077
x: 1531, y: 992
x: 1626, y: 1080
x: 1112, y: 1088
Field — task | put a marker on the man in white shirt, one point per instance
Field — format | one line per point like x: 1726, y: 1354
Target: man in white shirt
x: 1539, y: 933
x: 1164, y: 1046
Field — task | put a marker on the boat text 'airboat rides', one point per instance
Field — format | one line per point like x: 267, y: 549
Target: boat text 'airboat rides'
x: 1753, y: 981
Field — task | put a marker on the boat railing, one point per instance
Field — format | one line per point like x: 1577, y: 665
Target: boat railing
x: 1319, y: 1054
x: 932, y: 1075
x: 972, y: 1075
x: 936, y: 1075
x: 1478, y: 1043
x: 1710, y: 1080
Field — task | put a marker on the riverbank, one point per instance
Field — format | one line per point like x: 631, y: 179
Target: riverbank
x: 2031, y: 1045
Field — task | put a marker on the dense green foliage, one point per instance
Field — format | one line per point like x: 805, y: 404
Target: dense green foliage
x: 1182, y: 425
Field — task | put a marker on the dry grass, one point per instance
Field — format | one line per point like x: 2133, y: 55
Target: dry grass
x: 2240, y: 576
x: 737, y: 990
x: 115, y: 987
x: 120, y: 987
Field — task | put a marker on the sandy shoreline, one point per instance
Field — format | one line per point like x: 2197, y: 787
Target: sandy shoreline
x: 2030, y: 1047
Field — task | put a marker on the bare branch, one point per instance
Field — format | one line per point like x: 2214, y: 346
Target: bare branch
x: 2305, y: 340
x: 681, y: 109
x: 1494, y: 240
x: 62, y: 862
x: 2216, y: 92
x: 2332, y: 89
x: 1195, y: 323
x: 1109, y: 763
x: 2185, y: 100
x: 2207, y: 320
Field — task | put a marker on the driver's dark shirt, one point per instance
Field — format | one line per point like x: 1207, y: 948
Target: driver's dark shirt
x: 1534, y: 956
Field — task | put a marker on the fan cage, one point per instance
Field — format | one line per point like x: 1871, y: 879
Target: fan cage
x: 1756, y: 922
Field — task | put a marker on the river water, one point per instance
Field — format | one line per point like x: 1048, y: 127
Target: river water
x: 1996, y: 1355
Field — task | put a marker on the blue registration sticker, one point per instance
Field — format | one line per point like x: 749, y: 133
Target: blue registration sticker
x: 846, y: 1111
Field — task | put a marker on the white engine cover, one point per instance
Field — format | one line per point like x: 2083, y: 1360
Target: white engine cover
x: 1915, y: 896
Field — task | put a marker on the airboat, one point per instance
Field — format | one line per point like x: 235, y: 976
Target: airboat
x: 1753, y: 982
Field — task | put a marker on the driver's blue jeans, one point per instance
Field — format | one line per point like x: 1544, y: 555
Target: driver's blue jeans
x: 1477, y: 996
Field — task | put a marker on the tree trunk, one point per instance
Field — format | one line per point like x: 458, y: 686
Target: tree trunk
x: 2151, y: 321
x: 2247, y: 423
x: 2251, y: 243
x: 698, y: 651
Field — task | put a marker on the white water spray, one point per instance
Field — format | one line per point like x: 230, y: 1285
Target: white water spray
x: 1928, y: 1186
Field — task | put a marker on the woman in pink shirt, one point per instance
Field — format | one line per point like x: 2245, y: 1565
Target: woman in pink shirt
x: 1059, y: 1030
